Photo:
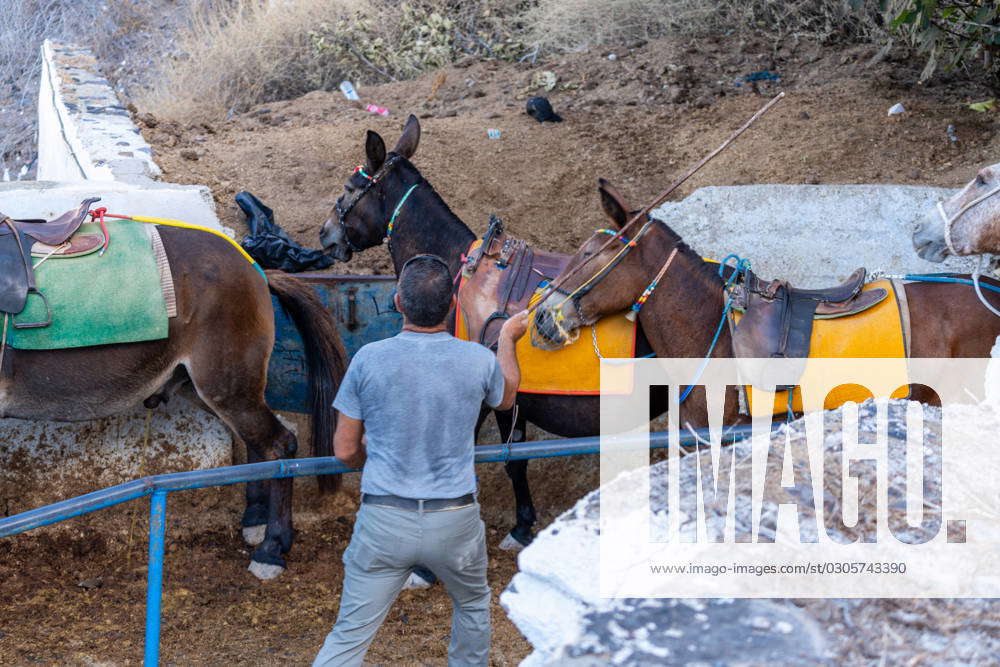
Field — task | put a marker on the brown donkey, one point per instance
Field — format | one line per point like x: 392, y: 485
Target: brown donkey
x: 397, y: 204
x: 681, y: 315
x: 220, y: 342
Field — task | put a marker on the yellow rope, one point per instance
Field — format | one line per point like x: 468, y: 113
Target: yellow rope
x: 186, y: 225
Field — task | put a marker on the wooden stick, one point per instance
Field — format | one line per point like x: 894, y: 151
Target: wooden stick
x: 556, y: 284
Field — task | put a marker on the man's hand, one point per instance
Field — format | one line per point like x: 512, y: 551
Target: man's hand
x: 513, y: 330
x: 516, y: 326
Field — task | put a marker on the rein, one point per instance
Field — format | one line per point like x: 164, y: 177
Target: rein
x: 370, y: 182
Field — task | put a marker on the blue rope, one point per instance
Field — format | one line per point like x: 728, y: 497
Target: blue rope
x: 742, y: 265
x: 946, y: 278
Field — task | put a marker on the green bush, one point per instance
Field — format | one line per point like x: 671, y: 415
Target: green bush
x: 402, y: 41
x: 951, y: 33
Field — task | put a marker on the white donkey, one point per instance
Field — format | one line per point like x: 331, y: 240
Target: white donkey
x: 966, y: 224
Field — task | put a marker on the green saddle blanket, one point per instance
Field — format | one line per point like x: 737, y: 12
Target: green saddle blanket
x: 97, y: 300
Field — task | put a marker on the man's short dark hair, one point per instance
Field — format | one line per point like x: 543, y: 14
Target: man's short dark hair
x: 425, y: 289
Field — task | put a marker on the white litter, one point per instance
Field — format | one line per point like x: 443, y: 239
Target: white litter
x: 896, y: 109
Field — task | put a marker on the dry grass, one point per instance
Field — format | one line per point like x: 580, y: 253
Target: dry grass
x: 253, y: 51
x: 244, y: 52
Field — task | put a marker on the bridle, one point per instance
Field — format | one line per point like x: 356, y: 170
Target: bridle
x: 741, y: 267
x: 950, y: 222
x: 370, y: 182
x: 627, y: 245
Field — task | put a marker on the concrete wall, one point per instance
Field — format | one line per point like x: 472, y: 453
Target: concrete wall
x: 84, y: 133
x: 46, y: 199
x: 812, y: 235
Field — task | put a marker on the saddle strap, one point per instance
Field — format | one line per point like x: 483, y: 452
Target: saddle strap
x: 17, y: 278
x: 796, y: 330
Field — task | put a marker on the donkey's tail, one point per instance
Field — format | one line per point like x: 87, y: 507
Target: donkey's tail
x: 326, y: 359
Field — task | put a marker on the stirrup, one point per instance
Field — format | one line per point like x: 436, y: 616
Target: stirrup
x: 36, y: 325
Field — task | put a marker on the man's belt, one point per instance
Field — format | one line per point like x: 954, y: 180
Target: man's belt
x: 414, y: 505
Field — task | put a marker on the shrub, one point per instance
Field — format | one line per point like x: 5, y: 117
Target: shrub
x: 951, y: 33
x: 401, y: 41
x: 257, y: 51
x: 566, y: 25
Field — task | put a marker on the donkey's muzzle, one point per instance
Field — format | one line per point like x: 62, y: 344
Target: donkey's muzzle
x: 546, y: 334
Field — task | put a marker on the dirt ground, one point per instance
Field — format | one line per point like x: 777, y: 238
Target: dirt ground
x: 640, y: 120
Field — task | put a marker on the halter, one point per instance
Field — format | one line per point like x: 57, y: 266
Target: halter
x: 584, y: 288
x: 949, y: 222
x: 372, y: 181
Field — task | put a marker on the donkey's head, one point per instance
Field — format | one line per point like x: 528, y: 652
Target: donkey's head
x: 966, y: 224
x: 612, y: 280
x: 360, y: 218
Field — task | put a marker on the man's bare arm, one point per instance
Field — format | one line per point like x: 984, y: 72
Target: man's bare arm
x: 512, y: 331
x: 348, y: 441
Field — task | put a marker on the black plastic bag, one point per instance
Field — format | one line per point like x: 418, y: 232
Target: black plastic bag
x: 270, y: 246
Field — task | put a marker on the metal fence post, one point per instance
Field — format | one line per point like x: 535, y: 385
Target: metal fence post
x: 154, y: 575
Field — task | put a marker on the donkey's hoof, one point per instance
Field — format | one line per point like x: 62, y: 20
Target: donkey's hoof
x: 416, y: 583
x: 265, y: 571
x: 254, y: 535
x: 511, y: 543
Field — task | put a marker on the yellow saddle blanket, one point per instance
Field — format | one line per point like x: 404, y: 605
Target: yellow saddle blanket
x: 574, y: 369
x: 879, y: 332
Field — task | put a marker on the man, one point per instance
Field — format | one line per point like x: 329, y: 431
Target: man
x: 408, y: 408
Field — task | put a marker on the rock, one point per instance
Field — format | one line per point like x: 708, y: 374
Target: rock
x: 804, y: 115
x: 450, y: 113
x: 149, y: 120
x: 90, y: 584
x: 811, y: 251
x: 675, y: 94
x: 189, y: 154
x: 540, y: 109
x: 492, y: 114
x: 555, y: 598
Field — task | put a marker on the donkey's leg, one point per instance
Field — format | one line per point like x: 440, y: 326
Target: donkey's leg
x: 267, y: 439
x: 254, y: 520
x: 521, y: 534
x: 243, y: 409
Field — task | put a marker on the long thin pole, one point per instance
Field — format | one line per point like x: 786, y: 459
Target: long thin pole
x: 662, y: 197
x: 154, y: 575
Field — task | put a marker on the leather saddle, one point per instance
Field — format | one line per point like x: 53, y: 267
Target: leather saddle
x: 777, y: 319
x: 19, y: 239
x: 509, y: 270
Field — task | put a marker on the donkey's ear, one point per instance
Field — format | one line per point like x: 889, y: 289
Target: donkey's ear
x: 407, y: 144
x: 612, y: 203
x: 374, y: 152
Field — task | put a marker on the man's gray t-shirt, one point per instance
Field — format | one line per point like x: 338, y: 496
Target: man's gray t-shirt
x: 419, y: 396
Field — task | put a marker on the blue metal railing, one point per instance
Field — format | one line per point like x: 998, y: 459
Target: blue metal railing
x: 158, y: 486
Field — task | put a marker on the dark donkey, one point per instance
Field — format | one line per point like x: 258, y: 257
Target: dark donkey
x: 391, y: 200
x: 680, y: 317
x: 219, y: 342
